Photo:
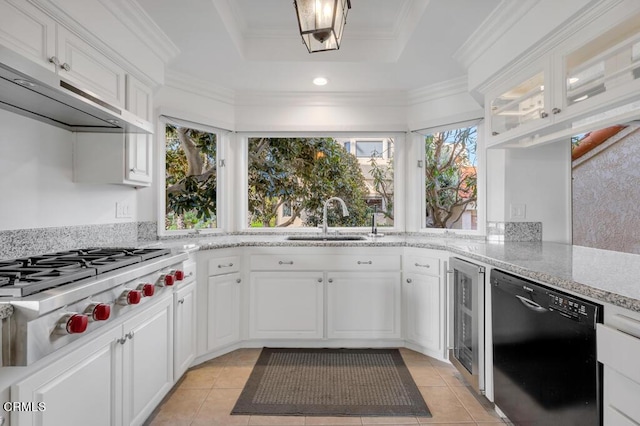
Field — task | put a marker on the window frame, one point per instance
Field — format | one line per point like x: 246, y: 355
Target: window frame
x: 221, y: 179
x: 419, y: 220
x: 242, y: 142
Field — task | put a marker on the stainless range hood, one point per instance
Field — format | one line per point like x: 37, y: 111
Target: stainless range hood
x: 31, y: 90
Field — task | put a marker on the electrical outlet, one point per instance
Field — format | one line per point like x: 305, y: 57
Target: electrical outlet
x: 122, y: 210
x: 518, y: 211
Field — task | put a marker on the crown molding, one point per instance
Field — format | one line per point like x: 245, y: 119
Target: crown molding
x: 438, y: 90
x: 499, y: 21
x: 187, y: 83
x: 321, y: 99
x: 136, y: 20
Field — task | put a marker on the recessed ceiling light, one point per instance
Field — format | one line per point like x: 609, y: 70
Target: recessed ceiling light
x: 320, y: 81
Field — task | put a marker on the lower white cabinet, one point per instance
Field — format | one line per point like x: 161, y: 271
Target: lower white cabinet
x: 223, y: 315
x: 363, y: 305
x: 619, y: 351
x: 286, y: 305
x: 184, y: 336
x: 423, y: 313
x: 116, y: 379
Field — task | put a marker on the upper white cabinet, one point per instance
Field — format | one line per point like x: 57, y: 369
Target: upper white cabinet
x: 138, y: 147
x: 589, y: 81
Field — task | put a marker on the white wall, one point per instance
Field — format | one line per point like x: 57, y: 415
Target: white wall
x: 540, y: 179
x: 36, y: 180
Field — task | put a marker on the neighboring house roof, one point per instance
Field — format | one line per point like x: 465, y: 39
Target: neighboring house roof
x: 593, y: 139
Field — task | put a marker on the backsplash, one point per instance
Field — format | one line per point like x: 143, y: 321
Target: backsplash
x: 28, y: 242
x: 514, y: 231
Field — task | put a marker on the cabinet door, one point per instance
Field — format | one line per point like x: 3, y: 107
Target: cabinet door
x: 83, y: 388
x: 138, y: 147
x: 85, y: 67
x: 28, y: 31
x: 423, y: 303
x: 185, y: 329
x: 223, y: 310
x: 363, y: 305
x: 286, y: 305
x: 147, y: 361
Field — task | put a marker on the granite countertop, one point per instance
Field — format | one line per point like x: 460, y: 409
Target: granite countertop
x: 6, y: 311
x: 605, y: 276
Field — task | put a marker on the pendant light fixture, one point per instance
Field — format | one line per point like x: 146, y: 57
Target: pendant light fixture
x: 321, y: 23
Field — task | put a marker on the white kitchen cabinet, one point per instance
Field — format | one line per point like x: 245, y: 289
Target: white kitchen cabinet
x: 224, y: 310
x: 28, y: 31
x: 184, y: 336
x: 219, y: 293
x: 116, y: 379
x: 138, y: 146
x: 424, y: 301
x: 286, y: 305
x: 619, y: 350
x: 363, y: 305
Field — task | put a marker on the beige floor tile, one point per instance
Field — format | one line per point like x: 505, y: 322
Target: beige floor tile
x: 389, y: 421
x: 181, y: 405
x: 450, y: 375
x: 201, y: 377
x: 277, y: 421
x: 426, y: 376
x: 216, y: 409
x: 444, y: 406
x: 169, y: 422
x: 247, y: 356
x: 233, y: 377
x: 333, y: 421
x: 479, y: 412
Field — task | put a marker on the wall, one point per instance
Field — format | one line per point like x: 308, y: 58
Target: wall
x: 605, y: 202
x: 36, y: 180
x: 538, y: 183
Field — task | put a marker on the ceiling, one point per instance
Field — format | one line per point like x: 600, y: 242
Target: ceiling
x: 254, y: 45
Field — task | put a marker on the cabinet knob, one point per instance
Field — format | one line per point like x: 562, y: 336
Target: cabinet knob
x: 181, y: 301
x: 319, y: 280
x: 66, y: 67
x: 556, y: 110
x: 238, y: 280
x: 330, y: 280
x: 54, y: 61
x: 543, y: 114
x: 409, y: 280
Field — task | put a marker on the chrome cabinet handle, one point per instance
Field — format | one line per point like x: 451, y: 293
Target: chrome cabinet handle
x: 181, y: 301
x: 66, y: 67
x: 543, y: 114
x: 54, y: 60
x: 288, y: 262
x: 330, y: 280
x: 130, y: 335
x: 226, y: 266
x: 319, y: 280
x: 368, y: 262
x: 238, y: 280
x: 556, y: 111
x: 122, y: 340
x: 422, y: 266
x: 409, y: 280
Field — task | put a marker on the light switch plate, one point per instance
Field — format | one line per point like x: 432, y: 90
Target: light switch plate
x: 518, y: 211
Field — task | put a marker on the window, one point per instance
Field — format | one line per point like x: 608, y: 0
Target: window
x: 450, y: 174
x: 190, y: 176
x: 290, y: 178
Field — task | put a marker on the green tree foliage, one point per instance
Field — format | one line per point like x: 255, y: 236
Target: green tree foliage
x: 450, y: 176
x: 304, y: 172
x: 191, y: 184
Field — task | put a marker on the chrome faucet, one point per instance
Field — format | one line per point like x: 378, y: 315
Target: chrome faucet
x: 345, y: 212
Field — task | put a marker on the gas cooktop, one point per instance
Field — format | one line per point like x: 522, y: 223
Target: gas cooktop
x: 30, y: 275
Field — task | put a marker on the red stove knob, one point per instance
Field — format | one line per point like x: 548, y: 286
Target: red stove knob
x: 101, y: 312
x: 147, y: 289
x: 77, y: 323
x: 179, y: 274
x: 131, y: 297
x: 169, y: 280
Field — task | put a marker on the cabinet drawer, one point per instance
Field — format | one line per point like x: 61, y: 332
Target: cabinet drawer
x: 189, y: 272
x: 621, y: 396
x: 365, y: 262
x: 286, y: 262
x: 224, y: 265
x: 620, y: 351
x: 422, y: 265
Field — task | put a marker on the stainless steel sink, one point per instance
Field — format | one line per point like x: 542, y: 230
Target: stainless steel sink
x: 329, y: 237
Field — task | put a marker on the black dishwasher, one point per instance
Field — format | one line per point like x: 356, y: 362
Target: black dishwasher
x: 545, y: 370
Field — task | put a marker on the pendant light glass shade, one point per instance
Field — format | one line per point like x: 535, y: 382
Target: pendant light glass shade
x: 322, y: 22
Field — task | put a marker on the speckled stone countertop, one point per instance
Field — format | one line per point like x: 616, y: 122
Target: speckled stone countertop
x: 605, y: 276
x: 5, y: 311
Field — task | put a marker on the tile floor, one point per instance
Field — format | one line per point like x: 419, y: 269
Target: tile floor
x: 208, y: 392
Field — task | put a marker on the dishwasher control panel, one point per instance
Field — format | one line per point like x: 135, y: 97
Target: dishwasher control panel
x: 567, y: 305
